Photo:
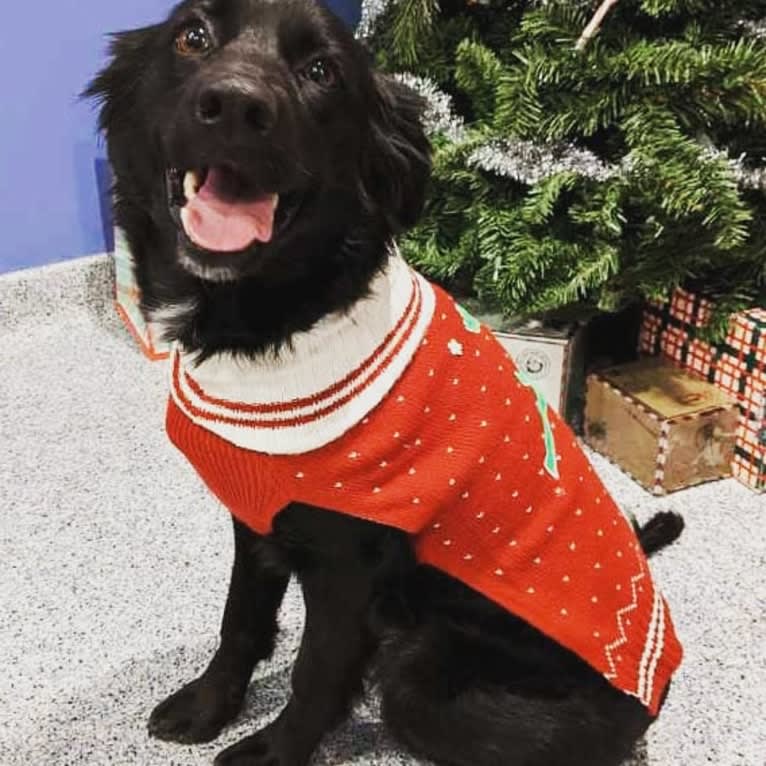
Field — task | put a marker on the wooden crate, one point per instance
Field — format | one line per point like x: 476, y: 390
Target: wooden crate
x: 737, y: 365
x: 664, y: 427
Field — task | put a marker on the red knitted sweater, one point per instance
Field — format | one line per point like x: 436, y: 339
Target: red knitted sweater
x: 426, y: 426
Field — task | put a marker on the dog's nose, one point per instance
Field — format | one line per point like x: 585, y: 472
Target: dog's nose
x: 232, y: 104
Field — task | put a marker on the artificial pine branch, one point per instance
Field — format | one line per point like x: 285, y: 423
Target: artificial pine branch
x: 618, y: 171
x: 411, y: 24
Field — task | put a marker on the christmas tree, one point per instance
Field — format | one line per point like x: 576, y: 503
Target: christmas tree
x: 587, y: 153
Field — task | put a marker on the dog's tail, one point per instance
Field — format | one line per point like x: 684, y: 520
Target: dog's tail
x: 660, y: 531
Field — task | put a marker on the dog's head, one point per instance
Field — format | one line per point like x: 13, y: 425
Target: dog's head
x: 249, y: 132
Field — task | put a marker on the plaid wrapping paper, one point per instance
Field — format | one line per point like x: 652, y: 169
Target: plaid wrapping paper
x: 675, y: 342
x: 651, y: 326
x: 737, y: 366
x: 755, y: 396
x: 690, y: 308
x: 749, y: 465
x: 701, y: 358
x: 747, y: 335
x: 127, y: 301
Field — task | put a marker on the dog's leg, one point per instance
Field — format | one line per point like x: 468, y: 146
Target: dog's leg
x: 338, y: 584
x: 198, y: 711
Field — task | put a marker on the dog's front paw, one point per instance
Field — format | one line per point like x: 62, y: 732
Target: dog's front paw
x: 264, y: 748
x: 197, y: 712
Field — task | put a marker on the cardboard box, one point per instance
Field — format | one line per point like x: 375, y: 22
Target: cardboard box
x: 551, y: 359
x: 127, y: 302
x: 664, y: 427
x: 550, y: 356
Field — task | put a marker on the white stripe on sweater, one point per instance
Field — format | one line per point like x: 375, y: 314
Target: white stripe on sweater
x: 316, y: 360
x: 649, y: 649
x: 659, y: 647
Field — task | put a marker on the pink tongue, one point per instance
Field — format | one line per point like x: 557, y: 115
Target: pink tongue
x: 224, y: 226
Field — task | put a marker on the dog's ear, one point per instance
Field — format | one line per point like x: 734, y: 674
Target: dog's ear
x: 396, y: 163
x: 119, y: 90
x: 116, y: 86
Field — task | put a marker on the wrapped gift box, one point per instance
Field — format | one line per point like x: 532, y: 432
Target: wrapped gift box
x: 550, y: 356
x: 737, y: 366
x: 127, y: 301
x: 750, y: 452
x: 666, y: 428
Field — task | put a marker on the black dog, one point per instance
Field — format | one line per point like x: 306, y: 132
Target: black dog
x: 313, y: 163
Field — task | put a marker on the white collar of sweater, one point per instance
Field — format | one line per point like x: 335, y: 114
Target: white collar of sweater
x: 325, y: 383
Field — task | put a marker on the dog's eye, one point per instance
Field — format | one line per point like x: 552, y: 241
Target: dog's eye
x: 321, y: 72
x: 193, y: 39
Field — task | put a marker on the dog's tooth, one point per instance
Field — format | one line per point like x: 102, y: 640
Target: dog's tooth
x: 191, y: 185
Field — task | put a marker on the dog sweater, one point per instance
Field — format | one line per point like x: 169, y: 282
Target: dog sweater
x: 406, y: 411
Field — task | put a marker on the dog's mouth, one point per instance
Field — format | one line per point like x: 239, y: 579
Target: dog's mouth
x: 221, y: 211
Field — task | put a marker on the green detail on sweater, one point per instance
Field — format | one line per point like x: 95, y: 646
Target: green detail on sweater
x: 550, y: 464
x: 472, y: 324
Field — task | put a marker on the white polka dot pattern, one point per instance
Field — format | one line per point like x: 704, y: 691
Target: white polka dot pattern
x: 456, y: 456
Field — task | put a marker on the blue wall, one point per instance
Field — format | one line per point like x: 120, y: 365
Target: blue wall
x: 52, y: 204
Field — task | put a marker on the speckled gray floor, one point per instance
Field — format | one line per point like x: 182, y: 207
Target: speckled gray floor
x: 113, y: 564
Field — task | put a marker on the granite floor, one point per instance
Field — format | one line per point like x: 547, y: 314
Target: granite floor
x: 113, y: 564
